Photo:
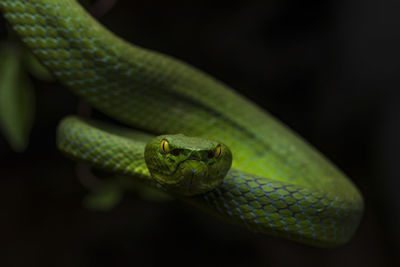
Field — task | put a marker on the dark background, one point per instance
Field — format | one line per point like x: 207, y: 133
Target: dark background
x: 328, y: 70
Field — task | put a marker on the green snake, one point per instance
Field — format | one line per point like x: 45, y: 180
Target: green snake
x: 278, y: 183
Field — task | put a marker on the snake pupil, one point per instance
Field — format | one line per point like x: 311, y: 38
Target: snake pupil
x: 218, y: 151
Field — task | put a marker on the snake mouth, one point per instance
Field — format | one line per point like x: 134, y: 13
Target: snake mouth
x: 190, y: 173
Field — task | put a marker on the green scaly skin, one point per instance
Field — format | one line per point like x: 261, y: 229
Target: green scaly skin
x: 278, y: 183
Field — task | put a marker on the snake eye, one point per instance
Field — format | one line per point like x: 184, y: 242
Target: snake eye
x: 164, y: 146
x: 218, y: 151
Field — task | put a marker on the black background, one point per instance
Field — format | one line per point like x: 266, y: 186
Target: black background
x: 329, y: 70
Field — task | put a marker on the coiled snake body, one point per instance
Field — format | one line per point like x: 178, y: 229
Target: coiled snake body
x: 278, y: 184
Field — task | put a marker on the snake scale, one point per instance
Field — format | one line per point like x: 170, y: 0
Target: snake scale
x: 278, y: 183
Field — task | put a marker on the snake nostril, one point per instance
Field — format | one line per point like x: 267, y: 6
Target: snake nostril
x: 176, y: 152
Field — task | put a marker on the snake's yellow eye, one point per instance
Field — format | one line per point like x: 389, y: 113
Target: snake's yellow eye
x: 164, y: 146
x: 218, y: 151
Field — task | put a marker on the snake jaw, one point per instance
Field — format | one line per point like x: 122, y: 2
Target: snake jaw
x: 190, y: 177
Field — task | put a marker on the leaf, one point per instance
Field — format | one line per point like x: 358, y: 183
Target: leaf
x: 151, y: 194
x: 36, y: 68
x: 104, y: 199
x: 16, y: 98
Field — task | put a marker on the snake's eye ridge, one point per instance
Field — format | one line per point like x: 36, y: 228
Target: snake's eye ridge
x: 164, y: 146
x: 218, y: 151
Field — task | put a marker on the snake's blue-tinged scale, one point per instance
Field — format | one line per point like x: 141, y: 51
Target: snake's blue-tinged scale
x: 278, y: 183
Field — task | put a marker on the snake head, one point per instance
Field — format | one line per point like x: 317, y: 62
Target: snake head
x: 187, y: 165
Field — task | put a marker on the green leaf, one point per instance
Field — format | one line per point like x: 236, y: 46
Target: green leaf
x: 104, y: 199
x: 151, y: 194
x: 36, y: 68
x: 16, y: 98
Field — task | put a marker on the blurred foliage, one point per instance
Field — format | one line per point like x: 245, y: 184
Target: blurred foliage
x: 16, y: 97
x: 35, y: 68
x: 17, y: 101
x: 108, y: 192
x: 104, y: 199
